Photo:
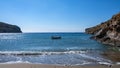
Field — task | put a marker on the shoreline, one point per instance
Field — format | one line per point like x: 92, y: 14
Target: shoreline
x: 31, y: 65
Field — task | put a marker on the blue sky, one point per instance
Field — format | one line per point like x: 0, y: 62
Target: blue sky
x: 57, y: 15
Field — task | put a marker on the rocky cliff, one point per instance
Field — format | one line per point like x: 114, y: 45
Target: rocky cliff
x: 8, y: 28
x: 107, y: 32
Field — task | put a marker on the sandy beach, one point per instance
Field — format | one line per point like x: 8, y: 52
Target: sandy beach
x: 28, y: 65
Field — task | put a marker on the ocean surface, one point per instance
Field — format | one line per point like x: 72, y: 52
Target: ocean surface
x: 71, y: 49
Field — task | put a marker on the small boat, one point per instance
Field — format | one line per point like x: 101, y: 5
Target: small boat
x: 56, y: 37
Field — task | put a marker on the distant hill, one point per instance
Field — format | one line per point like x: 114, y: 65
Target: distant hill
x: 8, y: 28
x: 107, y: 32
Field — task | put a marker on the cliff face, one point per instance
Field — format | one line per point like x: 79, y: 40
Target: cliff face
x: 107, y: 32
x: 8, y: 28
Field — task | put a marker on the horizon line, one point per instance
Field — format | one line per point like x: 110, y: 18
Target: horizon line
x: 54, y: 32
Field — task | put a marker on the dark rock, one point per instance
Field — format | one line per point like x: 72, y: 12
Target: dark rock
x: 8, y: 28
x: 107, y: 32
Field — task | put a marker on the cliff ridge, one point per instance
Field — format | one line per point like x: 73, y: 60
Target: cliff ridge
x: 107, y: 32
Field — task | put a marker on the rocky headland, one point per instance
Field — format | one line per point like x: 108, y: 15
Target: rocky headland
x: 8, y: 28
x: 107, y: 32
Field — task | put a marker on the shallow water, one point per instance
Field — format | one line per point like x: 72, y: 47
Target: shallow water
x: 72, y: 49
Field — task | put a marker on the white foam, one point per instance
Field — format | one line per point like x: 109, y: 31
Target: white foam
x: 118, y: 63
x: 105, y: 63
x: 89, y: 57
x: 11, y: 62
x: 38, y: 52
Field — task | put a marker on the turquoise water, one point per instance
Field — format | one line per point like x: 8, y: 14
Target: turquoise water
x: 72, y: 49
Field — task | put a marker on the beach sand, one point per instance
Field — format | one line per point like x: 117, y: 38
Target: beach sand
x: 28, y: 65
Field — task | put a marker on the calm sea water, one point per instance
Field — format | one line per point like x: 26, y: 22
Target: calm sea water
x: 72, y: 49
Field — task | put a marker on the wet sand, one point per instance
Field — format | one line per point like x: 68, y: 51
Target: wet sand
x: 28, y: 65
x: 113, y: 56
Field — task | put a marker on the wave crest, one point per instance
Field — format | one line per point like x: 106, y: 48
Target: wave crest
x: 38, y: 53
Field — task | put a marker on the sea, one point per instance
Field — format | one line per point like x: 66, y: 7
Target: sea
x: 40, y: 48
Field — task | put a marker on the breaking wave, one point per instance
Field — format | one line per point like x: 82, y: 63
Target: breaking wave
x: 38, y: 52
